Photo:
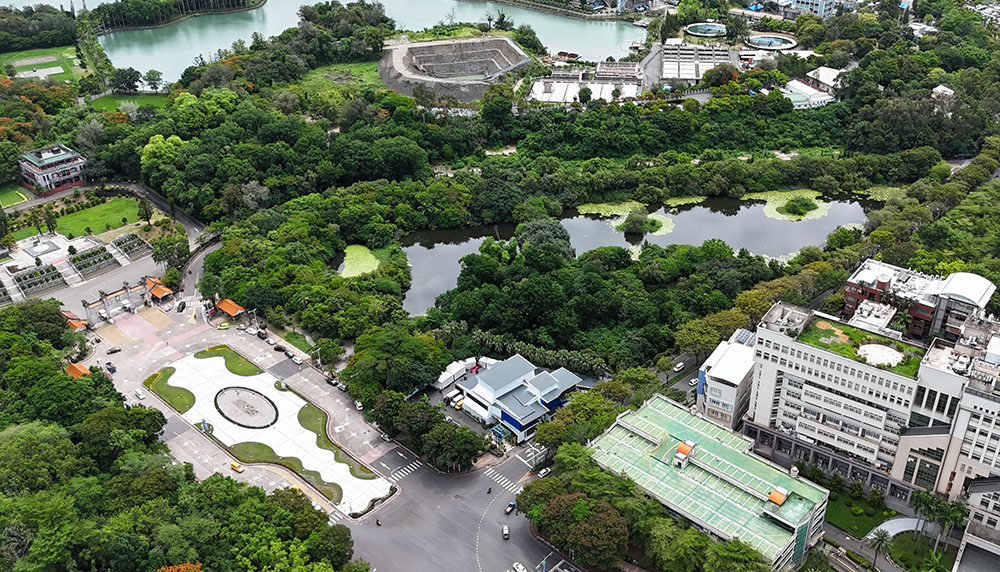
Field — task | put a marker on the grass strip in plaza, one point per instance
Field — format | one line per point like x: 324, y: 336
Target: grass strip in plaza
x: 235, y: 363
x: 840, y: 515
x: 97, y: 219
x: 177, y: 397
x: 261, y: 453
x: 314, y: 419
x: 296, y: 339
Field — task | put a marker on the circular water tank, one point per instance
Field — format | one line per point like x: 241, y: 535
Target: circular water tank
x: 883, y: 281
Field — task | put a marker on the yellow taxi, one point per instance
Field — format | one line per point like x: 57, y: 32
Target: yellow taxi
x: 224, y: 326
x: 236, y: 466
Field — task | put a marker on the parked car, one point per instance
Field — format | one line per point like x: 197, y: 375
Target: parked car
x: 679, y: 367
x: 289, y: 354
x: 224, y: 326
x: 359, y: 406
x: 331, y: 381
x: 693, y: 382
x: 236, y: 466
x: 252, y: 331
x: 385, y: 437
x: 270, y: 341
x: 111, y: 367
x: 518, y: 567
x: 279, y: 348
x: 296, y: 360
x: 458, y: 404
x: 342, y: 386
x: 140, y: 394
x: 181, y: 305
x: 114, y: 350
x: 262, y: 334
x: 510, y: 508
x: 241, y: 327
x: 544, y: 472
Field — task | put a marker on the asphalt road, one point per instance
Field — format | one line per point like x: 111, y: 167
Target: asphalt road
x: 441, y: 522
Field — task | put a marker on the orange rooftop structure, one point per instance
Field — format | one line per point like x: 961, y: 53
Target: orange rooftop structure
x: 76, y: 370
x: 230, y: 308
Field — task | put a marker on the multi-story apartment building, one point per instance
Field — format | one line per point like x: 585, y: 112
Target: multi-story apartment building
x: 934, y: 306
x: 725, y: 380
x: 822, y: 8
x: 54, y: 168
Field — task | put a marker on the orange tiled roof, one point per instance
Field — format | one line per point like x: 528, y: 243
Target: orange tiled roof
x: 156, y: 287
x: 229, y: 307
x: 76, y: 370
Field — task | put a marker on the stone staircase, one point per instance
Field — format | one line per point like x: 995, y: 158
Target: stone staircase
x: 69, y: 274
x: 120, y: 256
x: 8, y: 283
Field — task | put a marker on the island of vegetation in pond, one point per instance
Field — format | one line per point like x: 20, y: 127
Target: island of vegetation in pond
x: 805, y: 204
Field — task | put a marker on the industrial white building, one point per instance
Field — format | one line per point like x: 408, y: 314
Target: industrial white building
x: 725, y: 380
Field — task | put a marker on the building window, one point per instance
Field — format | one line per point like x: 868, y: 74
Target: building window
x: 919, y: 399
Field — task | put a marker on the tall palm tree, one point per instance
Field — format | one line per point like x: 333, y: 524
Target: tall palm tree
x: 880, y: 542
x: 934, y: 563
x: 931, y: 512
x: 951, y: 515
x: 920, y: 502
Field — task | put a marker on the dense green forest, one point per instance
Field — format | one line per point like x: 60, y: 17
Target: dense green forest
x: 40, y: 26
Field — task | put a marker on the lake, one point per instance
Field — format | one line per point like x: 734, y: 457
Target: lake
x: 172, y: 48
x: 434, y: 254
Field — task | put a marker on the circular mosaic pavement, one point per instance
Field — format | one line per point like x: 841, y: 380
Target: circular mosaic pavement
x: 246, y: 407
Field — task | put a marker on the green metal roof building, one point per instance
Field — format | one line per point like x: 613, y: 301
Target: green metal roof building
x: 706, y: 474
x: 54, y: 168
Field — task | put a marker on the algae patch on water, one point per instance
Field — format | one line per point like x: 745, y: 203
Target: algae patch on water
x: 681, y: 201
x: 777, y: 199
x: 883, y: 194
x: 358, y: 260
x: 607, y: 210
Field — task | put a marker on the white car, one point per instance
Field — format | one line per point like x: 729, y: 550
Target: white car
x: 518, y: 567
x: 140, y: 394
x: 359, y: 406
x: 252, y: 331
x: 297, y: 360
x: 270, y: 341
x: 693, y: 382
x: 679, y: 367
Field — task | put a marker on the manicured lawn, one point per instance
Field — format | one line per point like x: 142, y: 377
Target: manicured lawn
x: 235, y: 363
x: 297, y: 340
x: 260, y: 453
x: 179, y: 398
x: 111, y: 102
x: 65, y: 56
x: 902, y: 552
x: 11, y: 194
x: 96, y: 218
x: 839, y: 514
x: 314, y: 419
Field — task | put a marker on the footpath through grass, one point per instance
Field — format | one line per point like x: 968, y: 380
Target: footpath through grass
x: 97, y: 218
x: 111, y: 102
x: 314, y: 419
x: 261, y: 453
x: 12, y: 194
x: 177, y: 397
x: 235, y: 363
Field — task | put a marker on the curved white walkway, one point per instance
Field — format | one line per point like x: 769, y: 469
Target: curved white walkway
x: 206, y: 377
x: 903, y: 524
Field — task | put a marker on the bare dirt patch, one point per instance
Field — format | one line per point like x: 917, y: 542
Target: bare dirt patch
x: 34, y: 61
x: 838, y: 333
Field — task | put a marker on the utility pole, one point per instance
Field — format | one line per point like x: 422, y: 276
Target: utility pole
x: 542, y: 563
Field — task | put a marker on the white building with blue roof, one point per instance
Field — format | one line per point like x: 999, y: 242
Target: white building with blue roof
x: 515, y: 393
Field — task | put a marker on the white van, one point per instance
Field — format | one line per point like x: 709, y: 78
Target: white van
x: 506, y: 532
x: 451, y: 395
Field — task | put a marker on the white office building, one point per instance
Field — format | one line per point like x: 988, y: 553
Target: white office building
x: 726, y: 378
x: 822, y: 8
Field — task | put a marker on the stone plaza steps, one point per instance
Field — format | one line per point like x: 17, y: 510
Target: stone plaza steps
x: 11, y: 286
x: 69, y: 274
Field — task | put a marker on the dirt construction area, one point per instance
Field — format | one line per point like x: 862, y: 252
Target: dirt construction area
x: 34, y: 61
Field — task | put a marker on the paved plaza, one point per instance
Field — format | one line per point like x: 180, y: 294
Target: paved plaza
x: 207, y: 377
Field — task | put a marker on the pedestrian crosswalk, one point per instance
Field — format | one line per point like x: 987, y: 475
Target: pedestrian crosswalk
x: 335, y: 516
x: 504, y: 481
x: 398, y: 474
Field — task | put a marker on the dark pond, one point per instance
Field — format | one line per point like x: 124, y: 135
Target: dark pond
x: 434, y: 254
